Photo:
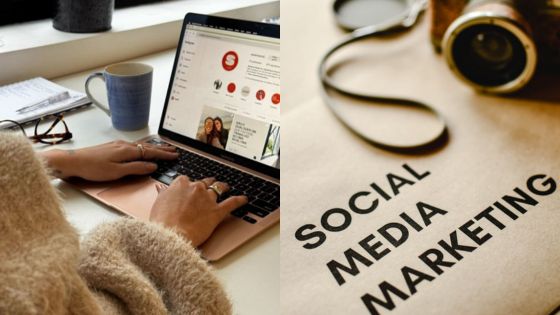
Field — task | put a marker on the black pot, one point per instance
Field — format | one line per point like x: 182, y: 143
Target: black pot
x: 83, y: 16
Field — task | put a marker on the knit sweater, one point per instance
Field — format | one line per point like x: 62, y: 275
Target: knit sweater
x: 123, y: 267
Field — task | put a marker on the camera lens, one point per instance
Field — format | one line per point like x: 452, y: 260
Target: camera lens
x: 490, y: 47
x: 489, y: 55
x: 493, y: 49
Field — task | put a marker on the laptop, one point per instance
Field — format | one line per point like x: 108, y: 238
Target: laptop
x: 225, y: 70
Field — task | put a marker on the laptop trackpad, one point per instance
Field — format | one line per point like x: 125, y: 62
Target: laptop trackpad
x: 134, y: 196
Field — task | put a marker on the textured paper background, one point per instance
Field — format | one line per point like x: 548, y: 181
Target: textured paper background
x: 495, y: 145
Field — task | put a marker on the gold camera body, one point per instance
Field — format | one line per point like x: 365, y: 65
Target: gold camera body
x: 496, y: 45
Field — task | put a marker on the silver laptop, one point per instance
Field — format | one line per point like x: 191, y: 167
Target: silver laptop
x: 226, y: 73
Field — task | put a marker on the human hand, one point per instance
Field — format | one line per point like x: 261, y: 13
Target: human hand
x: 191, y: 208
x: 107, y: 161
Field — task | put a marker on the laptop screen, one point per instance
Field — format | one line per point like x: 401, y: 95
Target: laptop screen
x: 225, y: 89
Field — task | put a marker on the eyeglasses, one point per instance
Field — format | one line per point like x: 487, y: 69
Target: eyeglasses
x: 52, y: 135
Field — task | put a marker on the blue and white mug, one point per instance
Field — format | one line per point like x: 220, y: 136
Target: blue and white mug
x: 129, y: 90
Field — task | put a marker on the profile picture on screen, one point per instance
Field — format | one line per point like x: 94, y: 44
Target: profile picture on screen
x: 214, y: 127
x: 217, y: 84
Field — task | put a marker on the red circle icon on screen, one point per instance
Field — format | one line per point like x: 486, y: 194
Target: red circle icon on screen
x: 260, y: 95
x: 230, y: 60
x: 276, y: 98
x: 231, y: 87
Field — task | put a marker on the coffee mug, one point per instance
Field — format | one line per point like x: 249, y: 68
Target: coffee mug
x: 129, y: 90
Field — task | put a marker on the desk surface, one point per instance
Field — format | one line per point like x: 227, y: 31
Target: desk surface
x: 250, y: 274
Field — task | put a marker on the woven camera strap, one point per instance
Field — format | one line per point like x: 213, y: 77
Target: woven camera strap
x: 328, y: 84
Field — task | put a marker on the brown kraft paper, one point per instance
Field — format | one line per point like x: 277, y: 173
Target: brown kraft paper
x: 473, y: 228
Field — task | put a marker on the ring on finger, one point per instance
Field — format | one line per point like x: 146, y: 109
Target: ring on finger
x: 216, y: 189
x: 142, y: 150
x: 208, y: 181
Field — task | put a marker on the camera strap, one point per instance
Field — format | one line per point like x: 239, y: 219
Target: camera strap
x: 328, y: 84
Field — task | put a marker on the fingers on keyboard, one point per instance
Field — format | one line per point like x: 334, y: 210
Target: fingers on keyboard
x: 263, y: 196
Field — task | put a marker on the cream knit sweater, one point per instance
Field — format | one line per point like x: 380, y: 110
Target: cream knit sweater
x: 124, y: 267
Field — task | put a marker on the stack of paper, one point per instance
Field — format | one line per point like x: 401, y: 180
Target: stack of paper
x: 28, y: 100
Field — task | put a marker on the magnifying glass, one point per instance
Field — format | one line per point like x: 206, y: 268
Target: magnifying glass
x: 354, y: 14
x: 368, y: 18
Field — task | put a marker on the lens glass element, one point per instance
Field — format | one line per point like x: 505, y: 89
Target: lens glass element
x: 489, y: 55
x: 493, y: 49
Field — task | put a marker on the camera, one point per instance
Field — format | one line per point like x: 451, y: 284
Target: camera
x: 496, y: 45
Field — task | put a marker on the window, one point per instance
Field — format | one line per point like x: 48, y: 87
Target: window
x: 272, y: 146
x: 17, y: 11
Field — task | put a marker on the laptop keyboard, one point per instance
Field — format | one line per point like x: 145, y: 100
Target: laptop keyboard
x: 264, y: 196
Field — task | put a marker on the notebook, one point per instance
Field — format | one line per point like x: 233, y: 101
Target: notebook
x: 28, y: 100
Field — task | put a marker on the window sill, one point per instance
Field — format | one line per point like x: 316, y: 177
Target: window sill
x: 37, y: 49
